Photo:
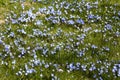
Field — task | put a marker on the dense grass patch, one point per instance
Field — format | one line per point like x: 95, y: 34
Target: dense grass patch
x: 59, y: 40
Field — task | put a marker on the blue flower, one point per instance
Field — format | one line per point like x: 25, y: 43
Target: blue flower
x: 91, y: 16
x: 7, y: 48
x: 30, y: 71
x: 1, y: 42
x: 116, y: 69
x: 81, y: 53
x: 59, y: 12
x: 47, y: 65
x: 117, y: 33
x: 78, y: 65
x: 71, y: 22
x: 30, y: 13
x: 54, y: 21
x: 94, y: 47
x: 80, y: 21
x: 119, y: 72
x: 38, y: 22
x: 11, y: 34
x: 71, y: 66
x: 107, y: 49
x: 39, y: 0
x: 84, y: 67
x: 88, y: 6
x: 108, y: 27
x: 22, y: 31
x: 14, y: 21
x: 23, y: 7
x: 93, y: 67
x: 119, y: 13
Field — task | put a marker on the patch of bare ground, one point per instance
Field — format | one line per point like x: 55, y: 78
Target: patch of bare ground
x: 2, y: 12
x: 2, y: 21
x: 27, y: 4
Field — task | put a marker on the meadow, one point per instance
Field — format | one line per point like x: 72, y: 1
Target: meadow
x: 59, y: 39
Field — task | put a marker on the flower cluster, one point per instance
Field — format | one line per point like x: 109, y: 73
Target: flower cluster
x: 62, y: 37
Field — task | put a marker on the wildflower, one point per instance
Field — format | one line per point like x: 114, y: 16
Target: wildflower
x: 29, y: 71
x: 30, y: 14
x: 94, y: 47
x: 41, y: 75
x: 14, y: 61
x: 19, y: 73
x: 81, y: 53
x: 14, y: 21
x: 80, y: 21
x: 71, y: 66
x: 22, y: 31
x: 88, y: 6
x: 108, y: 27
x: 107, y: 49
x: 38, y: 22
x: 7, y: 48
x: 77, y: 66
x: 59, y: 12
x: 23, y: 7
x: 1, y: 42
x: 39, y: 0
x: 84, y: 67
x: 119, y: 13
x: 92, y: 67
x: 63, y: 20
x: 119, y: 72
x: 91, y: 16
x: 71, y: 22
x: 60, y: 70
x: 11, y: 34
x: 54, y: 21
x: 87, y: 29
x: 47, y: 65
x: 117, y: 33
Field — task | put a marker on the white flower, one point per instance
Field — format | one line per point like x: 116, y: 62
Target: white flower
x: 60, y: 70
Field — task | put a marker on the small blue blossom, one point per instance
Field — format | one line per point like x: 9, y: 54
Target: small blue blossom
x: 38, y: 22
x: 63, y: 20
x: 91, y: 16
x: 11, y: 34
x: 108, y: 27
x: 14, y: 21
x: 117, y: 33
x: 84, y: 67
x: 7, y: 48
x: 80, y: 21
x: 81, y: 53
x: 71, y: 22
x: 59, y: 12
x: 1, y: 42
x: 88, y: 6
x: 93, y: 67
x: 94, y: 47
x: 47, y: 65
x: 30, y: 71
x: 71, y: 66
x: 54, y: 21
x: 78, y: 65
x: 23, y: 7
x: 119, y: 13
x: 22, y: 31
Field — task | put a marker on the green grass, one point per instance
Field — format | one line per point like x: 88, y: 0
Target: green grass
x: 62, y: 56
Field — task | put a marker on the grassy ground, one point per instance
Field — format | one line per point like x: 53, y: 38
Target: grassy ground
x: 36, y: 44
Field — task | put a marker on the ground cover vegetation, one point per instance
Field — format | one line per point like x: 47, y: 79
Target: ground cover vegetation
x: 59, y: 39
